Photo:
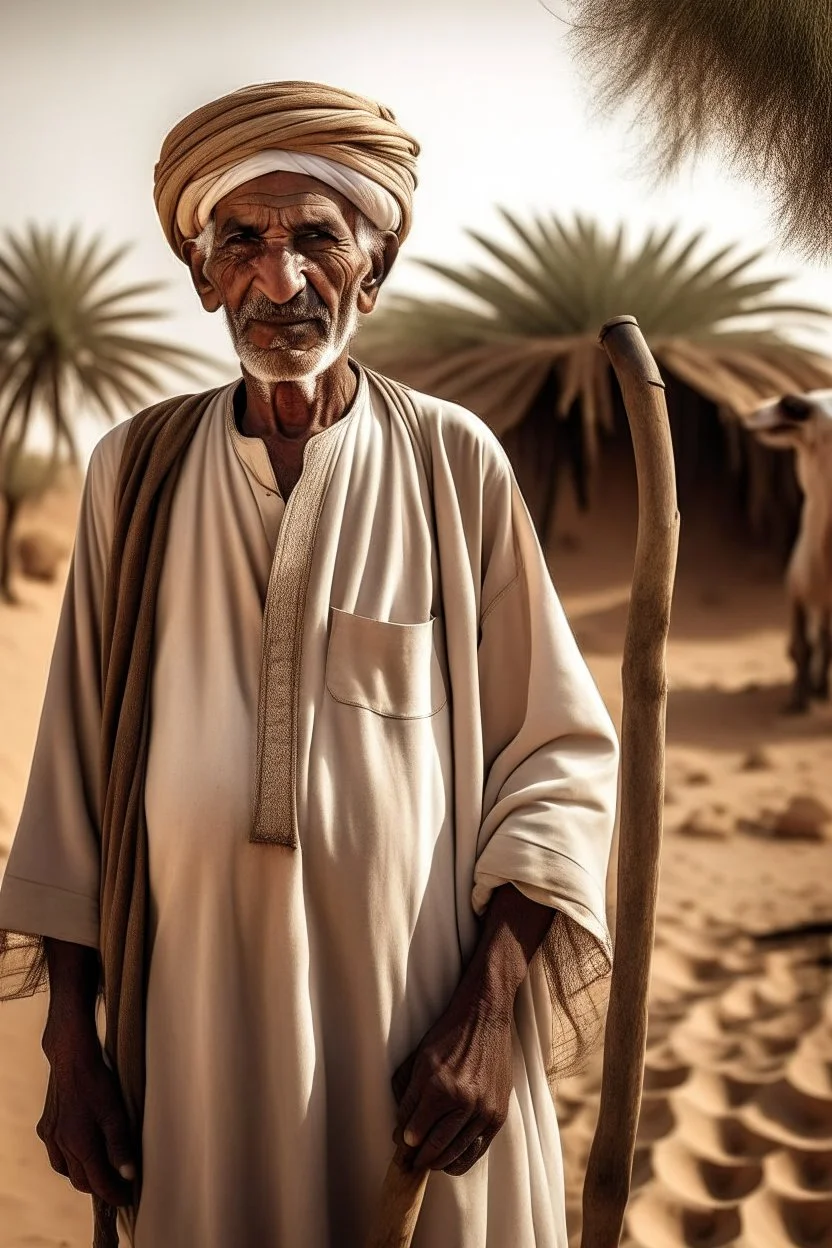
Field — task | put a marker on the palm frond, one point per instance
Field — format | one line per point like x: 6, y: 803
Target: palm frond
x: 560, y: 279
x: 67, y: 337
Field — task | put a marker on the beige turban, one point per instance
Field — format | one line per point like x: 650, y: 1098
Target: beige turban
x: 352, y: 143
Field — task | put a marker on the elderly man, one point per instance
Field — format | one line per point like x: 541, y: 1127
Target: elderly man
x: 323, y: 791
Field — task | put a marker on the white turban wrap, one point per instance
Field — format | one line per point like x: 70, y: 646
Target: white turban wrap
x: 201, y: 196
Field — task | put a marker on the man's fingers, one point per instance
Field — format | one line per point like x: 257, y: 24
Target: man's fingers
x: 471, y: 1155
x: 474, y: 1151
x: 469, y: 1137
x: 426, y: 1113
x: 408, y: 1104
x: 86, y: 1131
x: 116, y: 1131
x: 440, y: 1138
x: 56, y: 1158
x: 77, y: 1174
x: 104, y: 1180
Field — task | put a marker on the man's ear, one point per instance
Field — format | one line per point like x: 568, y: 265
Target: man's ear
x: 383, y: 259
x: 204, y: 287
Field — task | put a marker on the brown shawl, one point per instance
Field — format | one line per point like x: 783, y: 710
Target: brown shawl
x: 154, y: 449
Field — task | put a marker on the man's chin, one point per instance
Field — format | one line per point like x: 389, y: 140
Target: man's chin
x: 281, y: 364
x: 303, y: 335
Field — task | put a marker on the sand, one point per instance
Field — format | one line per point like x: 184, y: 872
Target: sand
x: 735, y: 1139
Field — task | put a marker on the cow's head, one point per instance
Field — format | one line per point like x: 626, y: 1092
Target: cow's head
x: 795, y: 421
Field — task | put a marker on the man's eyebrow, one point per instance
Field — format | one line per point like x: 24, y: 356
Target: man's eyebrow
x: 322, y: 219
x: 233, y: 225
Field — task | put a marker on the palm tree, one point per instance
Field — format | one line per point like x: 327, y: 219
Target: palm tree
x: 67, y: 344
x: 753, y: 77
x: 24, y: 478
x: 524, y: 335
x: 67, y: 340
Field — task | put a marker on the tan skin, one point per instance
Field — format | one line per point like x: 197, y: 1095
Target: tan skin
x: 277, y: 236
x: 292, y: 240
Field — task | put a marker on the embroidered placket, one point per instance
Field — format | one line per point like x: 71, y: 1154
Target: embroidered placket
x: 275, y: 805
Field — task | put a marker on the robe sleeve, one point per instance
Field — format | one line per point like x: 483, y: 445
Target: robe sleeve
x: 50, y: 887
x: 551, y: 783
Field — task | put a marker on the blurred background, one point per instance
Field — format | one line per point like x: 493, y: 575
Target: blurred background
x: 536, y: 218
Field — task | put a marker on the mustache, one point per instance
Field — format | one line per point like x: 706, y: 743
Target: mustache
x: 306, y: 306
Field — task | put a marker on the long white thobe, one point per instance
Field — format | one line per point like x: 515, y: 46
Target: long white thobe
x: 429, y: 730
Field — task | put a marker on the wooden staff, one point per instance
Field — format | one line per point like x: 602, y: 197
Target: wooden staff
x: 399, y: 1205
x: 607, y: 1185
x: 644, y: 686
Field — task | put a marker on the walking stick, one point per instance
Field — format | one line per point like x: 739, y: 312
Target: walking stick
x: 644, y: 686
x: 398, y: 1207
x: 607, y: 1183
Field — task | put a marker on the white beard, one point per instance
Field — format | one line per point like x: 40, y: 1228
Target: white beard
x: 268, y: 367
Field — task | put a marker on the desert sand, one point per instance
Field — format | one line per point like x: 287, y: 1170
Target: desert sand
x: 735, y: 1140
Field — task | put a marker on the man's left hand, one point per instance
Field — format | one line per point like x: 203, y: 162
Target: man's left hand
x: 454, y: 1089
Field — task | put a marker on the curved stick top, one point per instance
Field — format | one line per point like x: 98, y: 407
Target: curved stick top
x: 622, y: 339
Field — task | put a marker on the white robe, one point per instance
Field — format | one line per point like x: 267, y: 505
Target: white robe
x: 430, y: 732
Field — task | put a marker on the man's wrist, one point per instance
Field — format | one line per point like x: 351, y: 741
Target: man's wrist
x: 73, y: 989
x: 495, y: 975
x: 496, y: 1000
x: 513, y: 929
x: 69, y: 1034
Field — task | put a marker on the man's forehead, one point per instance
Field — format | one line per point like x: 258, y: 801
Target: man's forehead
x: 283, y: 190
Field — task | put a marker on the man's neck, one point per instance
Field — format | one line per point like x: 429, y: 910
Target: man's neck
x: 295, y: 410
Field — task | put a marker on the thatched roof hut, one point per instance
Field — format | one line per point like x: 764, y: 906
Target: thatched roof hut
x: 519, y: 347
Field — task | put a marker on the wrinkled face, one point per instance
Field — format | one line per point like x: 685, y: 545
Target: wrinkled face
x: 795, y: 422
x: 292, y: 263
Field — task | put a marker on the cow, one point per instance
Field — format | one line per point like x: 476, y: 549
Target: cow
x: 803, y: 423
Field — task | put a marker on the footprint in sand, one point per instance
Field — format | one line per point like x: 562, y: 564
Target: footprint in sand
x: 770, y: 1220
x: 657, y: 1219
x: 792, y: 1172
x: 701, y: 1182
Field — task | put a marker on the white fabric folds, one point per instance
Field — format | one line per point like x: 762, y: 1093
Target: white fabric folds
x: 430, y: 733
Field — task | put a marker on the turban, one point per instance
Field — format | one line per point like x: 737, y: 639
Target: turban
x: 344, y: 140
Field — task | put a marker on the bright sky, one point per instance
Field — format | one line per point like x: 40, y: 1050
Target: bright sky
x: 88, y: 89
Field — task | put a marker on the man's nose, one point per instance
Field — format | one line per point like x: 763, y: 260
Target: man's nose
x: 279, y: 274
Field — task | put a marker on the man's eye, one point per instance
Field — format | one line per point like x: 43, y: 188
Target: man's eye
x: 244, y: 236
x: 316, y: 233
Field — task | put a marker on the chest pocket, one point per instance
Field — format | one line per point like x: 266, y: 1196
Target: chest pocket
x: 391, y: 669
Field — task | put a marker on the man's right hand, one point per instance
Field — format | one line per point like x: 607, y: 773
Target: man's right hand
x: 84, y: 1124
